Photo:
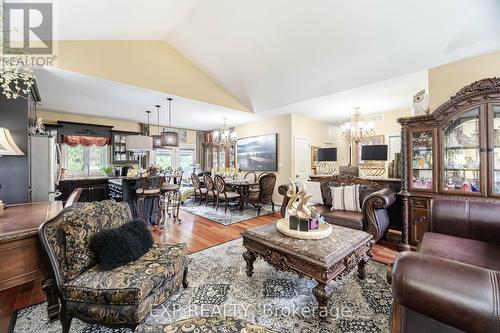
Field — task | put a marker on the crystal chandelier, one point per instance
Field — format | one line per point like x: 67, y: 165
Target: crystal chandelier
x: 224, y: 137
x: 356, y: 130
x: 15, y: 80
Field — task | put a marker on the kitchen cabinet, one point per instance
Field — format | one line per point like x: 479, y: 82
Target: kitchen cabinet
x: 94, y: 189
x: 119, y: 152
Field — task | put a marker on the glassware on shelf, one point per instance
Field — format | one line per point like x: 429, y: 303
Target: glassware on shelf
x: 422, y: 160
x: 496, y: 149
x: 462, y: 154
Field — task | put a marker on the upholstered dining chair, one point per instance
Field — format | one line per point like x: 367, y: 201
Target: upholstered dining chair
x: 211, y: 191
x: 223, y: 193
x: 198, y: 190
x: 264, y: 196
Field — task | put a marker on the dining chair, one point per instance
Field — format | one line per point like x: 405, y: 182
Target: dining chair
x: 264, y: 196
x: 223, y: 193
x: 211, y: 191
x: 198, y: 190
x: 148, y: 199
x: 177, y: 176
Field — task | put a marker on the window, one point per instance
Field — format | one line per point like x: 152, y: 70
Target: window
x: 183, y: 157
x: 163, y: 158
x: 186, y: 160
x: 81, y: 159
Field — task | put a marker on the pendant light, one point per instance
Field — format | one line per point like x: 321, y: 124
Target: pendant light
x: 169, y: 138
x: 157, y: 138
x: 139, y: 144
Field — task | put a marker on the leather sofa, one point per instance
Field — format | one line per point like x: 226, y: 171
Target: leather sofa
x: 374, y: 201
x: 452, y: 283
x: 122, y: 297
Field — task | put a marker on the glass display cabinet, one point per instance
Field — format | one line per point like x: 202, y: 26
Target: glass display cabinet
x: 454, y: 151
x: 119, y: 152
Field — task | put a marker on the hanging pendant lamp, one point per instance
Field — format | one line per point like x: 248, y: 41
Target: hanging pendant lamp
x: 169, y: 138
x: 157, y: 138
x: 139, y: 144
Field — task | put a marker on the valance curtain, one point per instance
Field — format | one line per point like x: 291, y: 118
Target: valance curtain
x: 73, y: 140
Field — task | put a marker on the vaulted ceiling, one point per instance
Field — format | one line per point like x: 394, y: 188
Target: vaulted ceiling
x: 277, y: 54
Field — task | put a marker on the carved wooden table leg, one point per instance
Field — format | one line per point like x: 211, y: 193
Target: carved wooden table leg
x: 249, y: 257
x: 362, y: 266
x: 52, y: 300
x: 323, y: 293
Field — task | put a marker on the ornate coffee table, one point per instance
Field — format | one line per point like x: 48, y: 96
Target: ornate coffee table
x: 323, y: 260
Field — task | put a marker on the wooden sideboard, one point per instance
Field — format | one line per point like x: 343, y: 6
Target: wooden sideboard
x: 23, y: 259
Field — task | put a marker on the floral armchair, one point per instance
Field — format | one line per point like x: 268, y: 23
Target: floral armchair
x: 122, y: 297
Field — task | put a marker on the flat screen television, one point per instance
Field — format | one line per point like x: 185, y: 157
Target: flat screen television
x: 258, y: 153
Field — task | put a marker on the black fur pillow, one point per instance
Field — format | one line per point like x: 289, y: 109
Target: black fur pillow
x: 116, y: 247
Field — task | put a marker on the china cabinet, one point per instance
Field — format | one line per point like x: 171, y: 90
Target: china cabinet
x: 119, y: 151
x: 455, y: 151
x: 216, y: 157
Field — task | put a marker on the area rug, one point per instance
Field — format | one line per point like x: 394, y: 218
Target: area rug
x: 280, y: 301
x: 233, y: 215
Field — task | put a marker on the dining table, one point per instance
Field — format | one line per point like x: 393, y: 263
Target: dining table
x: 242, y: 187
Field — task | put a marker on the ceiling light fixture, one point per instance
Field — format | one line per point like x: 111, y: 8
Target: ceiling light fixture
x: 169, y: 138
x: 157, y: 138
x: 224, y: 137
x: 356, y: 130
x: 139, y: 144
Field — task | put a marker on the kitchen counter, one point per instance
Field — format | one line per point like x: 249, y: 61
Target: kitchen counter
x: 97, y: 177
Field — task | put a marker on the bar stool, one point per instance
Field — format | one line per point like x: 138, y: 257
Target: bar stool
x: 147, y: 200
x: 171, y: 203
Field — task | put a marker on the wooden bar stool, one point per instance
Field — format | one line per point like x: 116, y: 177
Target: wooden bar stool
x: 147, y: 200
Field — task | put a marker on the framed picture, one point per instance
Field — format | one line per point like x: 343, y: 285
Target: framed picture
x: 375, y: 140
x: 258, y: 153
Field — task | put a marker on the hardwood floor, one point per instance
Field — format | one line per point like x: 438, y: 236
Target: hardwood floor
x: 197, y: 232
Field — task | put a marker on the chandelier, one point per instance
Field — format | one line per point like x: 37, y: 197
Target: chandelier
x: 224, y: 137
x: 15, y: 80
x: 356, y: 130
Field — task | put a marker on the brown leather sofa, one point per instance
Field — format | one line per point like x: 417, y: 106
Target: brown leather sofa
x: 452, y: 283
x: 374, y: 200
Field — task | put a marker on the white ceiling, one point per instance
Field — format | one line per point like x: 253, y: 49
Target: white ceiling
x: 66, y: 91
x: 294, y: 56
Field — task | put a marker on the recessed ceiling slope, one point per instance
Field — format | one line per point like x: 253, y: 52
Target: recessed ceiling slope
x: 69, y: 92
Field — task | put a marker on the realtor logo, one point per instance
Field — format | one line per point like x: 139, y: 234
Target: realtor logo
x: 27, y: 28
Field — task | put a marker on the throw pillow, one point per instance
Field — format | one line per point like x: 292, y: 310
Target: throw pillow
x: 314, y: 189
x: 337, y: 197
x: 345, y: 198
x: 116, y: 247
x: 351, y: 198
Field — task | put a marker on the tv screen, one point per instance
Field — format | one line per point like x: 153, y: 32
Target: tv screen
x: 258, y: 153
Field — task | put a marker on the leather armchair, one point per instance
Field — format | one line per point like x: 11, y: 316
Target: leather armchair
x: 452, y: 283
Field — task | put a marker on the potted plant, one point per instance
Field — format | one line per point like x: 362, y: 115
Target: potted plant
x: 107, y: 170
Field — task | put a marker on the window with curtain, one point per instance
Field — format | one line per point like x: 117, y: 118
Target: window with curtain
x: 81, y: 160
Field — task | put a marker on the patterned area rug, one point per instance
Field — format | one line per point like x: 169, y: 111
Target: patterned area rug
x: 233, y: 215
x: 277, y: 300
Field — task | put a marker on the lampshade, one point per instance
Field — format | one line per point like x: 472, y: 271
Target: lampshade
x: 169, y: 139
x: 374, y: 153
x: 139, y: 143
x: 156, y: 141
x: 7, y: 144
x: 327, y: 154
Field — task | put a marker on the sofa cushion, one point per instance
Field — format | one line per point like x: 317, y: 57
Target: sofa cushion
x: 353, y: 220
x: 364, y: 191
x: 131, y: 283
x: 81, y: 223
x: 468, y: 251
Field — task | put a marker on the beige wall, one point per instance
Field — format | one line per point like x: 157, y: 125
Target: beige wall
x: 282, y: 126
x: 446, y: 80
x: 321, y: 135
x: 148, y: 64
